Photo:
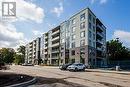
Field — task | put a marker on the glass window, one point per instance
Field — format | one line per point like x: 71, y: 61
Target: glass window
x: 73, y: 29
x: 82, y: 25
x: 94, y: 29
x: 73, y: 45
x: 90, y: 34
x: 94, y: 20
x: 82, y: 42
x: 82, y: 17
x: 73, y: 37
x: 90, y: 25
x: 90, y: 17
x: 93, y: 36
x: 90, y: 43
x: 82, y: 34
x: 73, y: 52
x: 73, y: 21
x: 93, y: 44
x: 62, y: 41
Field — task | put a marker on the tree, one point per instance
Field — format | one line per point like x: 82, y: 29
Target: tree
x: 117, y: 51
x: 18, y: 59
x: 21, y: 49
x: 7, y: 55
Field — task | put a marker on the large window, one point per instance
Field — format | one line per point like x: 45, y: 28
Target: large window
x: 82, y: 42
x: 90, y: 26
x: 90, y: 43
x: 73, y: 21
x: 94, y: 29
x: 94, y: 20
x: 90, y: 34
x: 82, y: 25
x: 82, y: 17
x: 73, y: 45
x: 90, y: 17
x: 94, y: 44
x: 73, y: 29
x: 73, y: 37
x: 94, y: 36
x: 82, y: 34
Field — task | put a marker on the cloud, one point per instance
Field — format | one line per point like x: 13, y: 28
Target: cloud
x: 27, y: 11
x: 103, y: 1
x: 9, y: 37
x: 36, y: 32
x: 58, y: 10
x: 99, y: 1
x: 124, y: 36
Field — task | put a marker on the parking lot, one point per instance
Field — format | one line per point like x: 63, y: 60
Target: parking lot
x: 87, y: 78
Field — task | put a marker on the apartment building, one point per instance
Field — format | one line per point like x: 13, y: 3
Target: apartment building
x: 51, y: 46
x: 32, y: 52
x: 80, y: 39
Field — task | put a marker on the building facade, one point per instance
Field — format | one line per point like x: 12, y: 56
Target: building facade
x: 80, y: 39
x: 32, y: 52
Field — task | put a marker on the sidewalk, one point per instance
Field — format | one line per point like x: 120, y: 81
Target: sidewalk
x: 109, y: 71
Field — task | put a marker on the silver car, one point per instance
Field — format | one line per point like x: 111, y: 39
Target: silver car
x: 76, y: 67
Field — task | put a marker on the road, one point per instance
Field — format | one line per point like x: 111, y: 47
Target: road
x: 88, y: 79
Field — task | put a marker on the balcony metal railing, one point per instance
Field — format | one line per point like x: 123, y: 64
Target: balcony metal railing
x: 99, y: 28
x: 55, y: 32
x: 56, y: 44
x: 56, y: 38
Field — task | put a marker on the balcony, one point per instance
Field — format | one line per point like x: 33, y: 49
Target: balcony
x: 98, y: 48
x: 99, y: 28
x: 55, y: 51
x: 56, y: 44
x: 99, y: 35
x: 55, y: 38
x: 99, y: 43
x: 55, y: 57
x: 55, y: 32
x: 45, y: 52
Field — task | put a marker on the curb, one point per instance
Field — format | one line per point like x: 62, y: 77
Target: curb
x: 23, y: 84
x: 116, y: 72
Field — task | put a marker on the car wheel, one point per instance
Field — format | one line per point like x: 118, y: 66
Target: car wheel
x: 83, y: 69
x: 76, y: 69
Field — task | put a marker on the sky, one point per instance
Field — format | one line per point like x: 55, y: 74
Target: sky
x: 34, y: 17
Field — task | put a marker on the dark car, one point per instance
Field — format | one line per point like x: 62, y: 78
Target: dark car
x: 64, y: 66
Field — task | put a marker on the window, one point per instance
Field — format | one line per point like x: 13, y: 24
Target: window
x: 94, y: 29
x: 89, y: 25
x: 94, y: 20
x: 82, y: 34
x: 73, y: 29
x: 73, y: 21
x: 73, y: 52
x: 62, y: 41
x: 93, y: 44
x: 82, y: 25
x: 73, y: 45
x: 90, y: 43
x: 82, y: 17
x: 82, y: 42
x: 90, y: 17
x: 93, y: 36
x: 73, y: 37
x: 90, y: 34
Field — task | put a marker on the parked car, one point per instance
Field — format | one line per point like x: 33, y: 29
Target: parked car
x: 76, y: 67
x: 64, y: 66
x: 27, y: 64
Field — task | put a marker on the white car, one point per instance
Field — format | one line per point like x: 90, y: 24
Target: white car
x: 76, y: 67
